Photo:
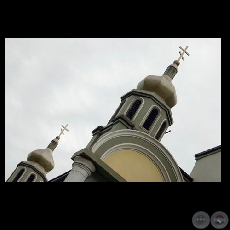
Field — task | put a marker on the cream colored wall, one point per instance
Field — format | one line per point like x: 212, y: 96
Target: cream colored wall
x: 133, y: 166
x: 207, y: 169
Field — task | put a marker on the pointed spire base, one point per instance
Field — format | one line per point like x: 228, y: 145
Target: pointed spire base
x: 176, y: 62
x: 53, y: 144
x: 172, y: 69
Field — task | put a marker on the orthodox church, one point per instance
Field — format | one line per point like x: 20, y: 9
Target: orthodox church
x: 128, y: 148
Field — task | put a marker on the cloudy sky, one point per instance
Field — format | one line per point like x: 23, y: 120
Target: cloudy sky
x: 51, y: 82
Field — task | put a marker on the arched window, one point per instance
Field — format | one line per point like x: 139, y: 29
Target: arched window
x: 133, y: 109
x: 18, y: 175
x: 31, y: 178
x: 161, y: 130
x: 150, y: 119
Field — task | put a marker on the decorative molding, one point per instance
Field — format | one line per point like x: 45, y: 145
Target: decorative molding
x: 145, y: 137
x: 127, y: 122
x: 101, y: 129
x: 78, y: 173
x: 117, y: 111
x: 83, y: 161
x: 140, y: 149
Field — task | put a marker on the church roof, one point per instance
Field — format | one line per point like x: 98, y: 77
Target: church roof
x: 60, y: 178
x: 208, y: 152
x: 186, y: 177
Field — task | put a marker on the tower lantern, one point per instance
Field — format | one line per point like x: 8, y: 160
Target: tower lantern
x: 39, y: 163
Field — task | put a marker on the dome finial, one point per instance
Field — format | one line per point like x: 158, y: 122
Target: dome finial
x: 62, y: 130
x: 171, y: 70
x: 182, y: 53
x: 53, y: 144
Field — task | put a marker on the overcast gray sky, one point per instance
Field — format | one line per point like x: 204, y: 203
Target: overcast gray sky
x: 51, y: 82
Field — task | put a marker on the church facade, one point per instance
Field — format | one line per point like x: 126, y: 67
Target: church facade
x: 128, y: 148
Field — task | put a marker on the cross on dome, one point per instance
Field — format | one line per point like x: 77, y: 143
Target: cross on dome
x: 182, y: 53
x: 62, y: 130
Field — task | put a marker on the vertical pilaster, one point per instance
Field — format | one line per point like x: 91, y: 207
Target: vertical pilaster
x: 81, y: 169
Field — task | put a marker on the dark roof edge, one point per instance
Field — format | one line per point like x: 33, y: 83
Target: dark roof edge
x: 206, y: 152
x: 60, y: 178
x: 185, y: 175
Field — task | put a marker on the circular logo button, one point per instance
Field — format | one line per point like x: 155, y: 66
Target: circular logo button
x: 201, y: 220
x: 219, y: 220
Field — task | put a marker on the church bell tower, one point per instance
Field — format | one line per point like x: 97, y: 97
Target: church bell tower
x: 39, y: 163
x: 128, y: 148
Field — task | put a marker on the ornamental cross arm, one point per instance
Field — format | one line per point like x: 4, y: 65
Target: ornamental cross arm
x: 182, y: 53
x: 62, y: 130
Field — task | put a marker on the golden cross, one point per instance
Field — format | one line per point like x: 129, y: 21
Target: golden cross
x: 182, y: 53
x: 62, y: 130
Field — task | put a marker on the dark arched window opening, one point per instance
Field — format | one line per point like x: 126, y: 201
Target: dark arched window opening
x: 150, y: 119
x: 31, y: 178
x: 161, y: 130
x: 133, y: 109
x: 18, y: 175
